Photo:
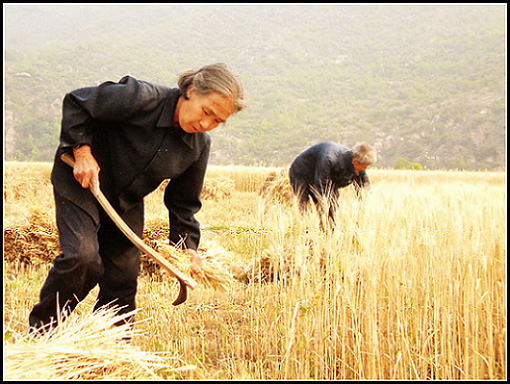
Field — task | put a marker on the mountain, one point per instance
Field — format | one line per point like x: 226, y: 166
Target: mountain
x: 423, y: 83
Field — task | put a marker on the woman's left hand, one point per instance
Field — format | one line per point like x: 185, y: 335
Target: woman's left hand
x: 196, y: 261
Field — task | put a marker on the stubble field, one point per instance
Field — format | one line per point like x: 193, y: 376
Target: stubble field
x: 410, y: 285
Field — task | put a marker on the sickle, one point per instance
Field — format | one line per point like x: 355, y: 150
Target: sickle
x: 184, y: 281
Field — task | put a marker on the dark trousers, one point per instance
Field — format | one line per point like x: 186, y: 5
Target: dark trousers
x: 326, y: 202
x: 94, y: 251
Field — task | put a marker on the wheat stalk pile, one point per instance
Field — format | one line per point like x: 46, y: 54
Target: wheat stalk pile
x: 33, y: 244
x: 217, y: 188
x: 277, y: 187
x: 84, y: 347
x: 37, y: 243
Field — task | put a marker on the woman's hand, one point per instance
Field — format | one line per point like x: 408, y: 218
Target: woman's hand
x: 86, y: 169
x: 196, y: 261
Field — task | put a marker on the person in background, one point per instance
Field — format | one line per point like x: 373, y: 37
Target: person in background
x: 129, y: 137
x: 320, y: 171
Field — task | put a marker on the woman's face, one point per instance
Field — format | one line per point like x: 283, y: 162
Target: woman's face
x: 202, y: 113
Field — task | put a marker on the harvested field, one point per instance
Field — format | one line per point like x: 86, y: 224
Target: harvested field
x: 410, y: 285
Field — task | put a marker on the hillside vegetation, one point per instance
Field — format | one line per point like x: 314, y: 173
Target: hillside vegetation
x: 422, y: 83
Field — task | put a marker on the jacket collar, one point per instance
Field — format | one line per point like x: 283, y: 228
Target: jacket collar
x: 166, y: 120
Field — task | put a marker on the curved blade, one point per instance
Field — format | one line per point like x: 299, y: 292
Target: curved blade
x: 183, y: 293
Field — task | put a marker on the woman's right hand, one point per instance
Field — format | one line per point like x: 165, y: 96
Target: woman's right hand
x: 86, y: 169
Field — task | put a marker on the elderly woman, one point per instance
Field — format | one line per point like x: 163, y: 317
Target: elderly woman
x: 129, y: 136
x: 320, y: 171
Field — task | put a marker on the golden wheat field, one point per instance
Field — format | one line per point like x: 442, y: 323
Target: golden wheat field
x: 411, y: 284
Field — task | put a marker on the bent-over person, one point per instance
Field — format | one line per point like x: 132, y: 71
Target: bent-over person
x: 129, y: 137
x: 320, y: 171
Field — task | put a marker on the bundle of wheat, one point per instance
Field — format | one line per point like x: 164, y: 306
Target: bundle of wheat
x: 214, y: 259
x: 214, y: 274
x: 277, y: 187
x: 35, y: 243
x: 84, y: 347
x: 217, y: 187
x: 269, y: 267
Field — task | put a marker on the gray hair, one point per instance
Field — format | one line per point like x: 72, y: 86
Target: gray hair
x: 214, y: 78
x: 364, y: 153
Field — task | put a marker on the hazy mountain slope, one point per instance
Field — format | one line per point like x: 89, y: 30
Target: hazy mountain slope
x: 424, y: 83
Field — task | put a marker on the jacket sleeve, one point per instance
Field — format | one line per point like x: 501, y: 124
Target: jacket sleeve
x: 362, y: 180
x: 322, y: 178
x: 182, y: 198
x: 108, y: 102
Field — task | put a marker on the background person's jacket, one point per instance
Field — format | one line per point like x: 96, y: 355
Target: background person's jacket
x: 327, y: 165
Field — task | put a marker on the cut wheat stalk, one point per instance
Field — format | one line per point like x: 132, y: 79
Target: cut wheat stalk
x: 89, y: 346
x: 213, y: 273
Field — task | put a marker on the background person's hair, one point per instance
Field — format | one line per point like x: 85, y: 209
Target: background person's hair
x: 364, y: 153
x: 215, y: 78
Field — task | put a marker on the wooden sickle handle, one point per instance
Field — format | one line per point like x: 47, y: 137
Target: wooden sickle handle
x: 184, y: 281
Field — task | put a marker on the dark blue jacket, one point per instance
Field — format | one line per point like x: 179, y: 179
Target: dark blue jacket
x: 130, y: 128
x: 326, y: 165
